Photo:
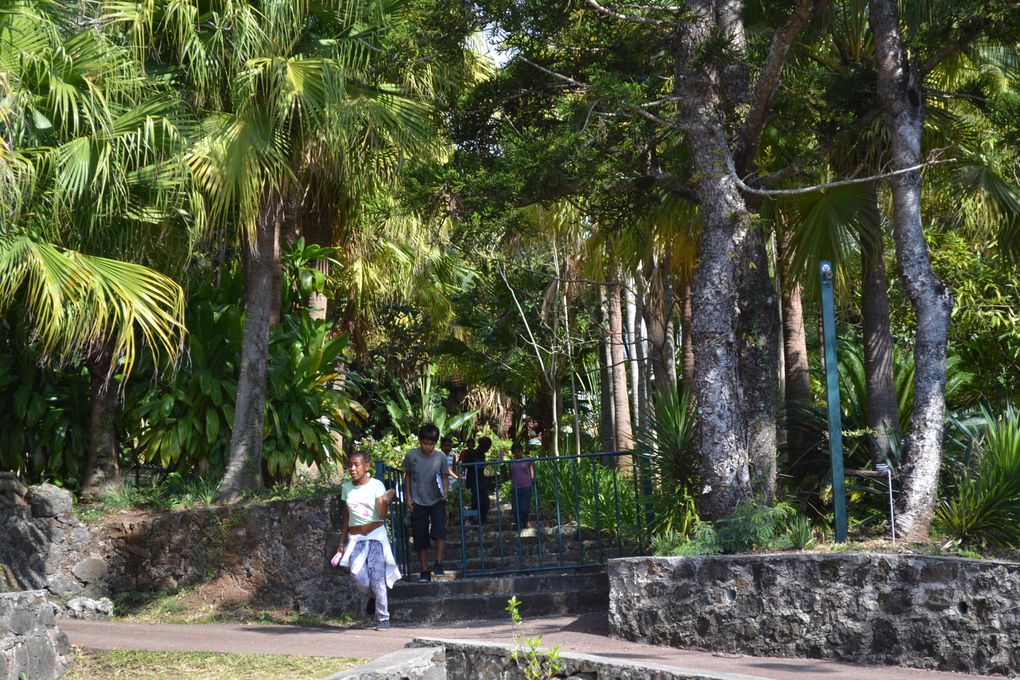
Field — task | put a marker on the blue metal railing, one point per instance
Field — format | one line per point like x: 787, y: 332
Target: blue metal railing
x: 398, y: 520
x: 583, y: 509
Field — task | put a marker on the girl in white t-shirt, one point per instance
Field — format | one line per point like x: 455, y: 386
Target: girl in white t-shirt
x: 367, y: 554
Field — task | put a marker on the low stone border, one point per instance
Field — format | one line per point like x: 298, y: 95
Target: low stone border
x: 925, y: 612
x: 438, y: 659
x: 30, y: 641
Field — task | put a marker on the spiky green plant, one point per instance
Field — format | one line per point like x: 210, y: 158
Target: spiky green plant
x: 984, y: 508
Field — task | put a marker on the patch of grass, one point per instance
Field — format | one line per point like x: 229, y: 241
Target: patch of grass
x: 91, y: 664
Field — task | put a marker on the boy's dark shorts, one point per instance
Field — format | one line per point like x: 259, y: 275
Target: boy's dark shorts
x: 424, y: 518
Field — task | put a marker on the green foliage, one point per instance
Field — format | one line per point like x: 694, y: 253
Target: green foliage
x: 670, y: 442
x: 702, y: 540
x: 799, y: 532
x: 43, y: 411
x: 407, y: 415
x: 754, y: 527
x: 984, y: 507
x: 597, y: 496
x: 184, y: 421
x: 534, y: 663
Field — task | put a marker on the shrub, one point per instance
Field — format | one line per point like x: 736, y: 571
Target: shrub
x: 702, y: 540
x: 984, y: 507
x: 754, y: 527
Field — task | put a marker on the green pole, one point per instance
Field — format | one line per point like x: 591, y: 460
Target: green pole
x: 832, y: 390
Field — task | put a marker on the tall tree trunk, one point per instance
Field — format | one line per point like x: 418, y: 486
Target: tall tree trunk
x: 641, y: 350
x: 618, y: 365
x: 102, y: 471
x: 318, y: 230
x: 724, y: 433
x: 607, y: 415
x: 797, y: 374
x: 760, y: 329
x: 245, y: 462
x: 634, y: 368
x: 687, y: 343
x: 658, y: 315
x: 883, y: 407
x: 899, y: 93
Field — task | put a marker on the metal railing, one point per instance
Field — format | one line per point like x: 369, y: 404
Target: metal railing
x: 582, y: 510
x: 398, y: 519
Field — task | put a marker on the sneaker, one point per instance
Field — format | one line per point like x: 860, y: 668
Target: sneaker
x: 425, y: 577
x: 383, y: 625
x: 370, y: 607
x: 438, y: 570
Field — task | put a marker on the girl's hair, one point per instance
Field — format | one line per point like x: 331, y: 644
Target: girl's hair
x: 363, y: 454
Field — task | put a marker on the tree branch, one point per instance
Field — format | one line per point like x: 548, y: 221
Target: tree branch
x: 819, y: 187
x: 768, y: 81
x: 625, y: 17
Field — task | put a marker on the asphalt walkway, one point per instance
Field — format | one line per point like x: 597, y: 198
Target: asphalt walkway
x: 586, y: 634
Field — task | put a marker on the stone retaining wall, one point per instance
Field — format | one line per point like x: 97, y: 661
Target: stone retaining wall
x: 30, y: 642
x: 436, y: 659
x: 270, y: 555
x: 926, y: 612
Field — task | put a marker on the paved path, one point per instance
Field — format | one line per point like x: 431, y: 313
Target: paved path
x: 586, y: 634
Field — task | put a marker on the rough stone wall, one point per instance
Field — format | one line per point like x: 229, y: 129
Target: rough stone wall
x: 272, y: 555
x: 30, y: 642
x: 472, y: 660
x: 43, y: 546
x: 265, y: 555
x: 925, y: 612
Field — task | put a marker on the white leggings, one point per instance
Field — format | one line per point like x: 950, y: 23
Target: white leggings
x: 372, y: 577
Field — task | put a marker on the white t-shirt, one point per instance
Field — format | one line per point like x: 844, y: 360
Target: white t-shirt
x: 361, y: 501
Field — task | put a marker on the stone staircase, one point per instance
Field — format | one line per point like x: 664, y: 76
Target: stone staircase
x: 552, y: 570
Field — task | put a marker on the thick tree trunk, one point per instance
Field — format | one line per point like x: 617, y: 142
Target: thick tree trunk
x: 658, y: 315
x: 102, y: 471
x: 899, y: 93
x: 729, y: 247
x: 618, y: 366
x: 607, y: 416
x: 245, y: 462
x: 760, y: 328
x: 883, y: 407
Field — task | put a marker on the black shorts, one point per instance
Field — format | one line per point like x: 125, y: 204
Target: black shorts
x: 428, y: 521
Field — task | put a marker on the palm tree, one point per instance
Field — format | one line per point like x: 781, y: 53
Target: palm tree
x: 91, y: 171
x: 284, y: 86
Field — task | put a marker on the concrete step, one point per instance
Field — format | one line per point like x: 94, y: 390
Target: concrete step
x: 545, y: 594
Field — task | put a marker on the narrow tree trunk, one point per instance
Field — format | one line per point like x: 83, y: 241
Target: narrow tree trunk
x: 883, y: 407
x: 641, y: 350
x: 900, y: 96
x: 607, y: 415
x: 618, y: 366
x: 102, y: 471
x: 658, y: 313
x: 797, y: 376
x: 245, y: 461
x: 687, y: 343
x: 634, y: 368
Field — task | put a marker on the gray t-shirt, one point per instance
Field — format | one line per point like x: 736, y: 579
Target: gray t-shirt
x: 423, y: 470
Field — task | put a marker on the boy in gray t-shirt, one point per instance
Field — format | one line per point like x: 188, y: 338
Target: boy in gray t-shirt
x: 425, y: 499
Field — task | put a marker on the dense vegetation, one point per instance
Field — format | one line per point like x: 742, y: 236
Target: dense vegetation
x: 241, y: 237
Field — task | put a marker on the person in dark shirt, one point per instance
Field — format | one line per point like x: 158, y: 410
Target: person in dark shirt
x: 475, y: 476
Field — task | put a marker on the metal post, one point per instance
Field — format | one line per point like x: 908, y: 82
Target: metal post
x: 882, y: 467
x: 832, y: 390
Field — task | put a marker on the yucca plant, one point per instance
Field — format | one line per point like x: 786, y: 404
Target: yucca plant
x: 671, y: 445
x: 984, y: 507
